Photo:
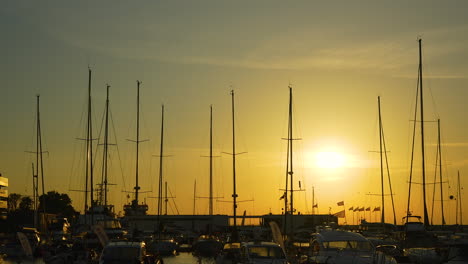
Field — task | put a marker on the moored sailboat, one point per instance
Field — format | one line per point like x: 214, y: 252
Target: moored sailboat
x: 161, y: 243
x: 418, y: 244
x: 381, y: 229
x: 135, y: 208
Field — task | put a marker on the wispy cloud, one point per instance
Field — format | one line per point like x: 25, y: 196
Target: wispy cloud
x: 452, y: 145
x: 205, y: 43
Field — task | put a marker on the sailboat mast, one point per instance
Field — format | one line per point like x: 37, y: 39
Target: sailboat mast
x: 161, y: 163
x: 290, y: 149
x: 105, y: 152
x: 426, y: 216
x: 89, y: 150
x: 137, y: 187
x: 39, y: 163
x: 234, y: 194
x: 381, y: 164
x: 211, y: 163
x: 408, y: 212
x: 440, y: 173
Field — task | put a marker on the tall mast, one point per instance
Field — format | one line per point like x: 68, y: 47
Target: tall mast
x: 426, y: 216
x: 105, y: 153
x: 290, y: 145
x: 234, y: 193
x: 440, y: 173
x: 289, y: 185
x: 289, y: 168
x: 381, y: 165
x: 211, y: 163
x: 161, y: 163
x: 289, y: 208
x: 89, y: 150
x: 39, y: 165
x: 137, y: 187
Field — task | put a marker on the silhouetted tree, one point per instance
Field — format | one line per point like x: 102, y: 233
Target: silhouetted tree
x: 26, y: 204
x: 57, y: 203
x: 13, y: 200
x: 20, y: 213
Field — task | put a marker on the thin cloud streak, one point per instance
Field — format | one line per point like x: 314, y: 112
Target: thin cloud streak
x: 454, y: 145
x: 254, y: 50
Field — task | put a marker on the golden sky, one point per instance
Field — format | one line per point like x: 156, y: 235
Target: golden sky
x: 338, y: 56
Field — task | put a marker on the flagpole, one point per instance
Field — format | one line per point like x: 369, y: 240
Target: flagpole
x: 344, y: 210
x: 313, y: 200
x: 354, y: 215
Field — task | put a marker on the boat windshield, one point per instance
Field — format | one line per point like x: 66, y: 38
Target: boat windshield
x: 348, y: 244
x: 266, y: 252
x: 121, y: 253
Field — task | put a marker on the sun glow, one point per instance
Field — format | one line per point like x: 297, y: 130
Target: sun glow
x: 329, y: 160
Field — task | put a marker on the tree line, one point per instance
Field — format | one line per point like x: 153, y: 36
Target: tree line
x: 21, y: 209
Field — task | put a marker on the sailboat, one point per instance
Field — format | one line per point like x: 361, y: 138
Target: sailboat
x: 235, y: 234
x: 231, y: 249
x: 210, y: 196
x: 208, y: 245
x: 104, y: 211
x: 161, y: 244
x: 39, y: 169
x: 381, y: 227
x: 40, y: 223
x: 97, y: 211
x: 438, y: 164
x: 135, y: 208
x: 417, y: 243
x: 161, y: 156
x: 102, y: 201
x: 289, y: 210
x: 87, y: 219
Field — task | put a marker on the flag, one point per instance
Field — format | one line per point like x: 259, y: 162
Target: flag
x: 356, y: 209
x: 351, y: 208
x: 340, y: 214
x: 282, y: 197
x: 368, y: 209
x: 361, y: 209
x: 340, y: 203
x: 315, y: 205
x: 376, y: 209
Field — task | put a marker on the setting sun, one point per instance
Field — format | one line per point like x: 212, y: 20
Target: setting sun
x: 329, y: 160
